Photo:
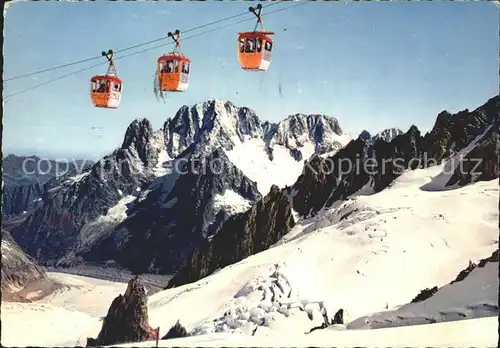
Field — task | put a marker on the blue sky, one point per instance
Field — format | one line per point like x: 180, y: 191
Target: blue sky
x: 372, y: 65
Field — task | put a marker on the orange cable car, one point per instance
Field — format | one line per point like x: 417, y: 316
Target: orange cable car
x: 106, y: 90
x: 255, y: 47
x: 174, y: 68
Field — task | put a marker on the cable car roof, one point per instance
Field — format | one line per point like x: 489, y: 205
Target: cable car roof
x: 174, y: 56
x: 106, y: 77
x: 255, y: 33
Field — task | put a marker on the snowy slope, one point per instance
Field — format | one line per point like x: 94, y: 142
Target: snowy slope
x: 378, y: 247
x: 64, y: 318
x: 465, y: 333
x: 250, y: 157
x: 475, y: 296
x: 439, y: 181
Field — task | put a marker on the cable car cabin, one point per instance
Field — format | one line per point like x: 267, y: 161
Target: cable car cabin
x: 174, y: 70
x: 255, y: 50
x: 106, y: 91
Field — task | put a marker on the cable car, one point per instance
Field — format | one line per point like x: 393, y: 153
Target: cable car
x: 174, y: 68
x: 106, y: 90
x: 255, y: 47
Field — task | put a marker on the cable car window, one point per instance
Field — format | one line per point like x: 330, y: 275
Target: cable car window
x: 116, y: 87
x: 269, y: 46
x: 107, y: 86
x: 95, y: 84
x: 259, y: 44
x: 185, y: 68
x: 170, y: 66
x: 242, y: 45
x: 250, y: 46
x: 176, y: 66
x: 163, y: 67
x: 102, y: 87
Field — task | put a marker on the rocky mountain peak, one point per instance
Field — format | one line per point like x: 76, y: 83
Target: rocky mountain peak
x: 390, y: 133
x: 365, y: 135
x: 296, y: 131
x: 313, y: 127
x: 127, y: 318
x: 216, y: 122
x: 139, y: 139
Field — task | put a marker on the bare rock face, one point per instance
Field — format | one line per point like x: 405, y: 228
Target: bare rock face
x: 176, y: 331
x: 481, y: 163
x: 338, y: 317
x: 127, y: 319
x: 20, y: 272
x: 240, y: 236
x: 425, y: 294
x: 465, y: 272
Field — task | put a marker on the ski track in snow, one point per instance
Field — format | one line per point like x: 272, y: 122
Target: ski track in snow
x: 361, y: 255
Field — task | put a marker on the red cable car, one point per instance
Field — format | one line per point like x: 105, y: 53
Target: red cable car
x: 174, y: 68
x: 106, y: 90
x: 255, y: 47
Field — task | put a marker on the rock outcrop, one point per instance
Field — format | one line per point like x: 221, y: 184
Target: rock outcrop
x: 127, y: 319
x: 425, y: 294
x: 482, y: 162
x: 428, y: 293
x: 176, y: 331
x: 20, y: 198
x: 466, y: 271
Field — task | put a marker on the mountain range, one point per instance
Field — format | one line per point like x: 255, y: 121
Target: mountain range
x: 159, y: 191
x: 159, y: 204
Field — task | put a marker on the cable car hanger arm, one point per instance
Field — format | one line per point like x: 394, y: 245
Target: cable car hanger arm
x: 109, y: 57
x: 259, y: 18
x: 176, y: 36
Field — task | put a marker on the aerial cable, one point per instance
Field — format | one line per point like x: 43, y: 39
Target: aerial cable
x: 54, y: 80
x: 211, y: 30
x: 147, y: 49
x: 131, y: 47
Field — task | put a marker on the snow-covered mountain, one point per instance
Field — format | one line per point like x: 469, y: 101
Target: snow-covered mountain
x: 341, y: 239
x: 99, y: 213
x: 23, y: 178
x: 324, y: 183
x: 71, y: 202
x: 174, y: 215
x: 386, y: 135
x: 363, y: 255
x: 267, y: 153
x: 468, y: 140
